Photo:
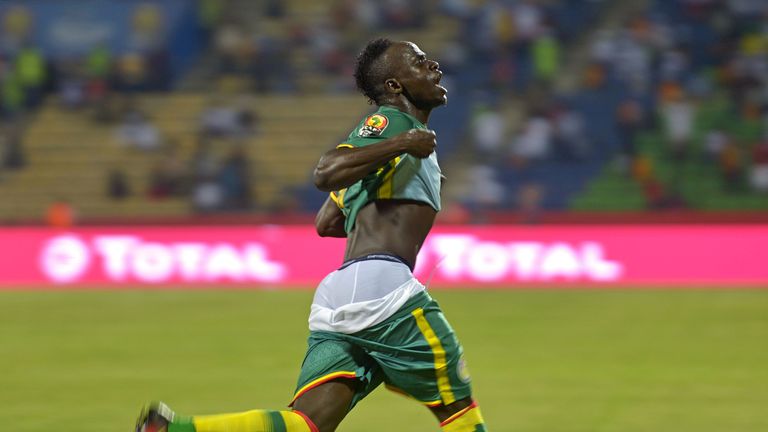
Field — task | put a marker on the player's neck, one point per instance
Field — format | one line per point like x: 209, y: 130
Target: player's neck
x: 407, y: 107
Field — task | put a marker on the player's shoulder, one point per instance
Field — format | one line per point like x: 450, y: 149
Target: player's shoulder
x: 386, y: 121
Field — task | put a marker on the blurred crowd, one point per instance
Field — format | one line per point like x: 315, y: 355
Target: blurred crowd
x: 676, y: 93
x: 676, y: 89
x: 26, y: 73
x: 97, y: 78
x: 696, y: 70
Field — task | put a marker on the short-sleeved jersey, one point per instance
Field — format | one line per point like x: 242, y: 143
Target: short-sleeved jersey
x: 404, y: 177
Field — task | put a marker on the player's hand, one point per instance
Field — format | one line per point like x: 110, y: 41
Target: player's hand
x: 419, y: 142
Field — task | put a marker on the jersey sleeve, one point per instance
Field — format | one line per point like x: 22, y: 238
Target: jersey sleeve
x: 377, y: 127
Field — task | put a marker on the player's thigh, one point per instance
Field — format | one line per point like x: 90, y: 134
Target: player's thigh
x: 327, y: 404
x: 424, y: 358
x: 336, y: 374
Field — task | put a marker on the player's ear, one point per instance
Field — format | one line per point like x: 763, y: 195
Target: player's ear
x: 393, y: 86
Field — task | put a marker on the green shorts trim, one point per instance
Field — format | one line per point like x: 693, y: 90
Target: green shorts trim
x: 414, y: 352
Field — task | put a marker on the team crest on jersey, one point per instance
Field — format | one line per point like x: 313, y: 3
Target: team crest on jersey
x: 374, y: 125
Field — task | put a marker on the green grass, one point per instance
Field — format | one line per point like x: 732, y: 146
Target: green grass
x: 592, y: 361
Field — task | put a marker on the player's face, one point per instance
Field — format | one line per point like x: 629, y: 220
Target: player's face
x: 418, y: 75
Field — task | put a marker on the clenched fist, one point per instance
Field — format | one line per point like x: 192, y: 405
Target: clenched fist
x: 419, y: 142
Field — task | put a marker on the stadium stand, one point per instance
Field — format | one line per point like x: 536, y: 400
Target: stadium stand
x: 586, y: 106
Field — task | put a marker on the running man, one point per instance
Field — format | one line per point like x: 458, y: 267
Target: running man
x: 371, y: 321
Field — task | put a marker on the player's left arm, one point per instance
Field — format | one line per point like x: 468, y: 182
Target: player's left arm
x: 329, y: 221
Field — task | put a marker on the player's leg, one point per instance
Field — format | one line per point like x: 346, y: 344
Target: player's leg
x: 421, y: 357
x: 159, y: 418
x: 458, y: 412
x: 327, y: 404
x: 320, y: 409
x: 335, y: 375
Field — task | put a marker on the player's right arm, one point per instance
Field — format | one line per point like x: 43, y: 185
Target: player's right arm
x: 329, y: 221
x: 342, y: 167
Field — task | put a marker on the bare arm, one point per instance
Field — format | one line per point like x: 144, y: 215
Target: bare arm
x: 329, y: 221
x: 342, y: 167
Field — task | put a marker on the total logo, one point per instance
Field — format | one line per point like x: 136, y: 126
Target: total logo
x: 68, y: 258
x: 460, y: 257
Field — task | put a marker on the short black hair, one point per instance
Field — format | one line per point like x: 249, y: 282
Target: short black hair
x: 369, y: 75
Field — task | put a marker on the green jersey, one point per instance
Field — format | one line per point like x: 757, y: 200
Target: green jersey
x: 404, y: 177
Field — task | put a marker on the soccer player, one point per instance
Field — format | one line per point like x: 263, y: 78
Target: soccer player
x: 371, y: 321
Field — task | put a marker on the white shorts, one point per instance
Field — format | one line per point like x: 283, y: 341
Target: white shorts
x: 363, y: 292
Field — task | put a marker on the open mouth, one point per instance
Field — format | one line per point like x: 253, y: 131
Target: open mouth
x: 437, y: 79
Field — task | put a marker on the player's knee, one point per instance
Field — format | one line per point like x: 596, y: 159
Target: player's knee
x: 326, y: 405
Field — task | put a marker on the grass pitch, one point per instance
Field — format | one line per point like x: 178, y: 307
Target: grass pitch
x: 594, y: 360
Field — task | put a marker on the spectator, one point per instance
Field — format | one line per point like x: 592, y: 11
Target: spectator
x: 230, y: 45
x: 219, y: 119
x: 31, y: 71
x: 12, y: 94
x: 629, y: 119
x: 715, y: 142
x: 570, y: 138
x: 759, y: 171
x: 632, y: 62
x: 731, y: 166
x: 504, y: 32
x: 594, y: 76
x: 234, y: 178
x: 528, y: 20
x: 485, y: 192
x: 60, y: 214
x: 207, y: 195
x: 117, y: 184
x: 132, y: 72
x: 656, y: 194
x: 18, y: 22
x: 138, y: 132
x: 602, y: 50
x: 534, y: 142
x: 642, y: 168
x: 367, y: 14
x: 11, y: 148
x: 529, y: 201
x: 659, y: 198
x: 488, y: 132
x: 147, y: 25
x: 209, y: 15
x: 168, y: 175
x: 546, y: 57
x: 203, y: 164
x: 98, y: 63
x: 678, y: 114
x: 325, y: 47
x: 224, y: 120
x: 673, y: 65
x: 98, y: 66
x: 71, y: 92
